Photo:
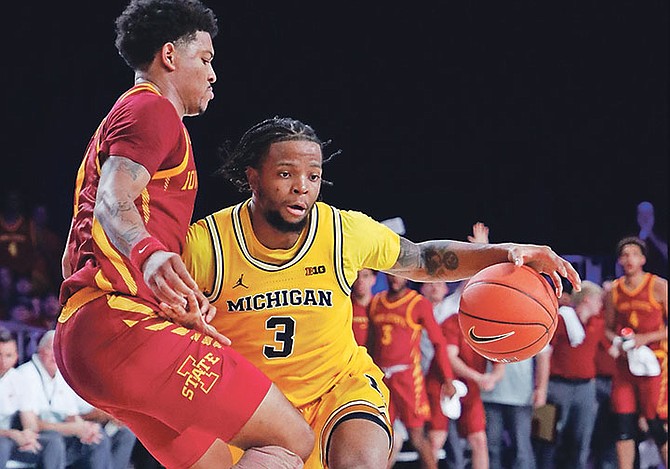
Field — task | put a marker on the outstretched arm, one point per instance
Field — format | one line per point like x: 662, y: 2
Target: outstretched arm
x: 447, y: 260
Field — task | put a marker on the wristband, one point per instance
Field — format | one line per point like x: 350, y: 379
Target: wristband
x: 142, y: 250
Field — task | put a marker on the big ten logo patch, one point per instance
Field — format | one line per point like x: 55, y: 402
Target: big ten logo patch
x: 198, y: 375
x: 315, y: 270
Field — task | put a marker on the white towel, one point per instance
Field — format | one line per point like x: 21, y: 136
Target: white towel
x: 573, y: 325
x: 643, y: 362
x: 451, y: 406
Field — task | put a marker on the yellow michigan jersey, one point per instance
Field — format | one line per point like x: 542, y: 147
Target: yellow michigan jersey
x: 289, y: 311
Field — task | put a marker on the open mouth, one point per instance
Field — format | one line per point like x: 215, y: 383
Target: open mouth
x: 297, y: 209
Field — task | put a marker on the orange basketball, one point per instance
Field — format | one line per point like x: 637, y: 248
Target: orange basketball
x: 508, y: 313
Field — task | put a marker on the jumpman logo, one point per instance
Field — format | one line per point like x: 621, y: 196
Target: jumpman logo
x: 239, y: 282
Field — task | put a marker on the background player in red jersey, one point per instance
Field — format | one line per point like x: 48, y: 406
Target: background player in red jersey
x: 361, y: 295
x: 469, y: 366
x: 397, y: 318
x: 134, y: 198
x: 638, y: 301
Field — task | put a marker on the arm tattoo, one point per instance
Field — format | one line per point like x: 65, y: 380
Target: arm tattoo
x: 432, y: 259
x: 437, y: 258
x: 119, y: 216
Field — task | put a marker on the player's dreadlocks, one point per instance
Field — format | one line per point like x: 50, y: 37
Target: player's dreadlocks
x: 255, y: 143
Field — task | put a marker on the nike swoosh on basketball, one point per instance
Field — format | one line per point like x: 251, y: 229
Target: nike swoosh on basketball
x: 484, y: 339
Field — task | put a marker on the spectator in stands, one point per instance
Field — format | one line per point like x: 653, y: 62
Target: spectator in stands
x: 6, y: 292
x: 16, y: 243
x: 49, y: 310
x: 16, y: 441
x: 25, y: 306
x: 121, y: 437
x: 572, y: 386
x: 48, y: 252
x: 509, y: 408
x: 657, y: 247
x: 52, y: 410
x: 361, y: 294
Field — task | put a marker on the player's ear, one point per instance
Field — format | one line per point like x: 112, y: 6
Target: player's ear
x: 252, y: 178
x: 167, y: 54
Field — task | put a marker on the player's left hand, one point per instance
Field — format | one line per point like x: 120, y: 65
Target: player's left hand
x: 546, y: 261
x: 194, y: 316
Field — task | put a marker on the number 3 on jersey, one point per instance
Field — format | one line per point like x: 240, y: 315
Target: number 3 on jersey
x: 284, y: 327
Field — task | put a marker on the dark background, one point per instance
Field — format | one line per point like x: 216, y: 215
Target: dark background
x: 546, y: 120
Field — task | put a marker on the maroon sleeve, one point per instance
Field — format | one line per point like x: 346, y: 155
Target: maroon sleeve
x: 425, y: 317
x: 452, y: 330
x: 145, y: 129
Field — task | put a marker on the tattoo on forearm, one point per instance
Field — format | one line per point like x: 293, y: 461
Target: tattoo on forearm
x: 438, y: 258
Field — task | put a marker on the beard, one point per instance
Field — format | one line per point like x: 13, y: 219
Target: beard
x: 277, y: 222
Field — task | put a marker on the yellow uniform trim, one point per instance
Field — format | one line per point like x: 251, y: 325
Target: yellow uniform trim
x: 353, y: 407
x: 167, y: 173
x: 101, y: 240
x: 77, y: 300
x: 127, y: 304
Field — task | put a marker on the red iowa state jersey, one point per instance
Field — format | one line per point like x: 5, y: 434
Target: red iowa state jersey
x: 360, y: 323
x: 396, y: 328
x: 637, y: 308
x: 142, y: 126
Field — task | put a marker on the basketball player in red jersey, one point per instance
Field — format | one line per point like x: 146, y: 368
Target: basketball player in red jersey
x: 361, y: 295
x: 639, y: 301
x: 179, y: 387
x: 397, y: 317
x: 469, y: 366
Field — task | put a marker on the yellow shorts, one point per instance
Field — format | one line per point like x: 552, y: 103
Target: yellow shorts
x: 361, y: 393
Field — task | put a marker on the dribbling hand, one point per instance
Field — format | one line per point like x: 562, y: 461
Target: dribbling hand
x: 544, y: 260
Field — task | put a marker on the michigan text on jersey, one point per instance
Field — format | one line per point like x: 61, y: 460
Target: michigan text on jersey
x: 282, y: 298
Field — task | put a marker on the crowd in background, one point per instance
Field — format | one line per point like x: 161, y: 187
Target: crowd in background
x: 514, y: 403
x: 585, y: 401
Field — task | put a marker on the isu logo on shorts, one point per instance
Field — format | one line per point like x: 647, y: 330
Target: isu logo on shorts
x: 198, y: 375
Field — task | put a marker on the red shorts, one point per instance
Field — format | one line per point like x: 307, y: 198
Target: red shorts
x: 632, y: 394
x: 473, y: 417
x: 176, y: 389
x: 437, y: 421
x: 408, y: 398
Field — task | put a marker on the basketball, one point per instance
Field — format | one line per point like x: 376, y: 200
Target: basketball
x: 508, y: 313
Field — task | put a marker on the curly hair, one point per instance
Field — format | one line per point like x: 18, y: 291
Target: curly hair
x: 255, y: 143
x: 145, y: 25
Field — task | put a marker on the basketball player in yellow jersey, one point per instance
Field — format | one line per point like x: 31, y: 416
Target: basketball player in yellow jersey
x: 279, y: 268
